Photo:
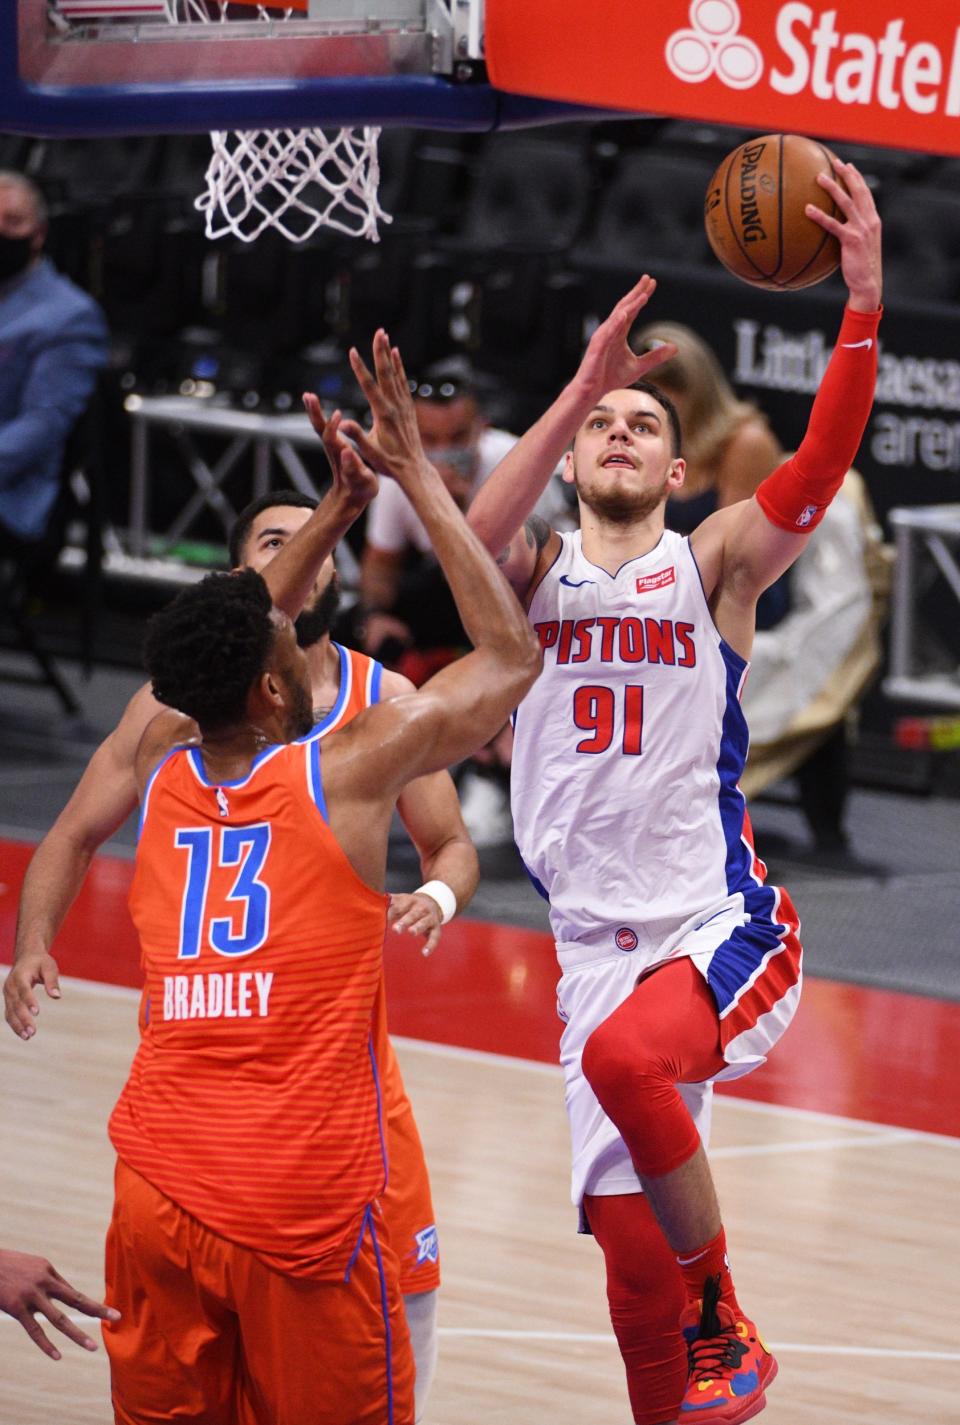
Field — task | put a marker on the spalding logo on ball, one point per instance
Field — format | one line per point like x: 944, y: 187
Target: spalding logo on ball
x: 755, y: 212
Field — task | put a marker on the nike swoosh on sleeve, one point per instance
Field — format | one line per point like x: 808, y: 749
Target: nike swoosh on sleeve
x: 852, y: 345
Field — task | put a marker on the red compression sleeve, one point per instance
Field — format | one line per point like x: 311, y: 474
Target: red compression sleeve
x: 646, y: 1295
x: 795, y: 497
x: 665, y: 1033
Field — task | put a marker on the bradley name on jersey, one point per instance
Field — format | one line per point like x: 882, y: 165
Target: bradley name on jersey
x: 245, y: 995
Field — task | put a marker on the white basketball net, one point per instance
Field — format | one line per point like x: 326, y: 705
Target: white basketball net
x: 294, y: 180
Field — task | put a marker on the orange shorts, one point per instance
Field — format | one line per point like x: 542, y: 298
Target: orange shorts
x: 406, y: 1201
x: 210, y: 1334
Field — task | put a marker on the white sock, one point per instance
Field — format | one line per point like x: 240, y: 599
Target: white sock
x: 421, y: 1312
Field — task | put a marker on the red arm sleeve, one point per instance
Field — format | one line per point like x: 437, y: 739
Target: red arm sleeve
x: 796, y: 495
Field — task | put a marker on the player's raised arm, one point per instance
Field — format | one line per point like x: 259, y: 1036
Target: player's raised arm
x: 505, y: 501
x: 290, y: 576
x: 466, y: 703
x: 430, y: 811
x: 756, y: 540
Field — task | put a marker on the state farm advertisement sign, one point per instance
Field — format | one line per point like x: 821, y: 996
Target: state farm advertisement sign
x: 873, y: 71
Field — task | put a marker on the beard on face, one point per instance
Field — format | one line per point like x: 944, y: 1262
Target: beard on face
x: 619, y: 506
x: 300, y: 712
x: 315, y: 623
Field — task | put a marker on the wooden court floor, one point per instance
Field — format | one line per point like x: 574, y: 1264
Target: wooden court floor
x: 844, y: 1235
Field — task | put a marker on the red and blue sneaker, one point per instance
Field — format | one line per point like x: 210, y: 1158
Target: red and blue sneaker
x: 730, y: 1367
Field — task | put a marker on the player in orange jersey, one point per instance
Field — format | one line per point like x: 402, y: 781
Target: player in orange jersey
x: 245, y: 1250
x: 343, y: 683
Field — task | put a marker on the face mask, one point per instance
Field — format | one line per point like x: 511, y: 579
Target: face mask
x: 15, y: 253
x: 461, y: 458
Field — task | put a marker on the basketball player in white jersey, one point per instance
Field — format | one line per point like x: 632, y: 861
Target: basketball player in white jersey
x: 679, y: 965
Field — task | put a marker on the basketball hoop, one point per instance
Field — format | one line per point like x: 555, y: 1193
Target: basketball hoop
x: 293, y: 180
x: 258, y: 77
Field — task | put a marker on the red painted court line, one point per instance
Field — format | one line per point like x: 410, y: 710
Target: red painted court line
x: 857, y: 1052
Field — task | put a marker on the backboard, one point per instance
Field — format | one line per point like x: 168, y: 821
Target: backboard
x: 91, y: 67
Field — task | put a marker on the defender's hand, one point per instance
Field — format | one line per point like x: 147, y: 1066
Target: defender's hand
x: 608, y: 363
x: 353, y: 481
x: 392, y: 446
x: 21, y: 1005
x: 419, y: 914
x: 30, y: 1284
x: 861, y: 259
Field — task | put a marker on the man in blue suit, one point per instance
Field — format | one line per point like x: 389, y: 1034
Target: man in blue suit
x: 53, y: 340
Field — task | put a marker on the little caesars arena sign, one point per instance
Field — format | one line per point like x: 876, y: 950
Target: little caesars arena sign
x: 873, y: 71
x: 911, y: 450
x: 916, y: 420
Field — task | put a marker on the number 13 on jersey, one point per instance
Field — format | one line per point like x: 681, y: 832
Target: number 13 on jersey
x: 595, y: 712
x: 245, y: 925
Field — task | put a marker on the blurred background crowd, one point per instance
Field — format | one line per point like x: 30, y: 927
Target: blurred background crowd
x: 150, y: 384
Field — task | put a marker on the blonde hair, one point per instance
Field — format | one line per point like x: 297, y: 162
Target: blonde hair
x: 712, y: 412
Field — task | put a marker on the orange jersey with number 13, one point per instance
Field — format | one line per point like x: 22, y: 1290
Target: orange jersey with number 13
x: 253, y: 1101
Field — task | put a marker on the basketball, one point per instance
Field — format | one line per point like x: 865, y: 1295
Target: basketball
x: 755, y: 218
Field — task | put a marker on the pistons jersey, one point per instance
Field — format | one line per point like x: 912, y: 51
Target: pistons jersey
x: 628, y: 751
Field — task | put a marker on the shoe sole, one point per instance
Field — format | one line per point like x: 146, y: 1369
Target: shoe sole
x: 754, y: 1408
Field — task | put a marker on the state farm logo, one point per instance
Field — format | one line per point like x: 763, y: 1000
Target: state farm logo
x: 713, y: 46
x: 909, y: 63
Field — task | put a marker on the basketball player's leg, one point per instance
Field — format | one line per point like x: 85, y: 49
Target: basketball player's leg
x: 325, y: 1352
x: 420, y: 1309
x: 668, y: 1032
x: 173, y: 1354
x: 646, y: 1296
x: 408, y: 1216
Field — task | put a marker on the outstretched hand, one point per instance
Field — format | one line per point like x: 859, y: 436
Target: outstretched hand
x: 30, y: 1285
x: 353, y: 481
x: 392, y: 446
x: 859, y: 235
x: 609, y: 363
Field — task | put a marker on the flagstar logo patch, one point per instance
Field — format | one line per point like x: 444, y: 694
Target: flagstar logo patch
x: 660, y: 580
x: 713, y: 45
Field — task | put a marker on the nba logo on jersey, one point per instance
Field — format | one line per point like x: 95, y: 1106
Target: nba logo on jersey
x: 222, y: 802
x: 626, y: 938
